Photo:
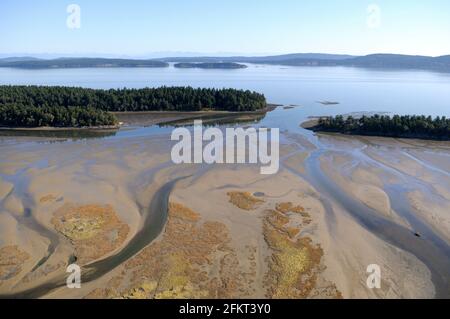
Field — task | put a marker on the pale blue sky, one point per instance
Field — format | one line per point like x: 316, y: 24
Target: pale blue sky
x: 138, y: 28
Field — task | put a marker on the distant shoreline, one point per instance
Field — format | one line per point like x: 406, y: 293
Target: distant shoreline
x: 210, y: 66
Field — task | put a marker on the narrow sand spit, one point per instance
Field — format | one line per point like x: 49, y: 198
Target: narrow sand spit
x: 362, y: 184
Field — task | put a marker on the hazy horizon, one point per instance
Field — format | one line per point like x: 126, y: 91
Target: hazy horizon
x: 164, y: 28
x: 175, y: 54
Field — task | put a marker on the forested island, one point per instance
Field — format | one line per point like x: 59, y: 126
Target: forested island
x: 210, y: 65
x: 378, y: 61
x: 56, y: 106
x: 63, y: 63
x: 404, y: 126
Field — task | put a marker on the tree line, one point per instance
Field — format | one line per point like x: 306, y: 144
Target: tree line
x: 418, y: 126
x: 19, y: 115
x: 147, y: 99
x: 70, y: 106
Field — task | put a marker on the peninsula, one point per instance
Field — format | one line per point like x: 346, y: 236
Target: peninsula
x: 404, y: 126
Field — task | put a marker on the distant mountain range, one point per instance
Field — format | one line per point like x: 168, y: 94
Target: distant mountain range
x: 18, y: 59
x: 273, y: 59
x: 388, y: 61
x: 381, y: 61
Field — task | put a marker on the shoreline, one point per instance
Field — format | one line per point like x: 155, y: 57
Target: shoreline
x: 161, y: 117
x: 270, y: 107
x: 50, y: 128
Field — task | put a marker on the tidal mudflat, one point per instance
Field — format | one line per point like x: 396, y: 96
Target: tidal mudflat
x: 143, y: 227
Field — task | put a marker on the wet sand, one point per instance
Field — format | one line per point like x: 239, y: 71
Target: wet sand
x: 363, y: 201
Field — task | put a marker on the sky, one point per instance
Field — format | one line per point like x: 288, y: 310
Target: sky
x: 139, y: 28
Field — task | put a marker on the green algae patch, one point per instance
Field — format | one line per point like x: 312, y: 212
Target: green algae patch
x: 80, y: 228
x: 192, y: 259
x: 93, y: 230
x: 295, y: 262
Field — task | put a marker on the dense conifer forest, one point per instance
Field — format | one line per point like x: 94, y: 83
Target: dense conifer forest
x: 58, y: 106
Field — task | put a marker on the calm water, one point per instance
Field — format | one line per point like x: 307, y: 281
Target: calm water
x: 356, y: 89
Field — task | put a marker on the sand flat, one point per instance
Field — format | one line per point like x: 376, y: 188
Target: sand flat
x: 125, y: 174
